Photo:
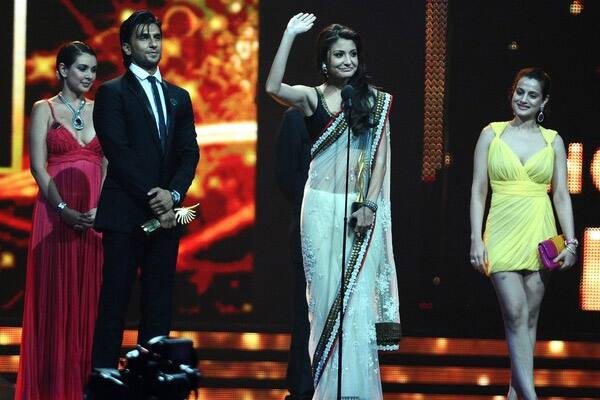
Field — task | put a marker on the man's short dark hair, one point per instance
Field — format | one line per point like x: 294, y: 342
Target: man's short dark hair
x: 130, y: 25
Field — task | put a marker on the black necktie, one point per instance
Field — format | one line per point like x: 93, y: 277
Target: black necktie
x: 162, y: 127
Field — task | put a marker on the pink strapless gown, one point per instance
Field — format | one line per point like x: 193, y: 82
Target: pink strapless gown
x: 63, y: 278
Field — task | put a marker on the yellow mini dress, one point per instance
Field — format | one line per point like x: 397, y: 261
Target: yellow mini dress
x: 520, y: 214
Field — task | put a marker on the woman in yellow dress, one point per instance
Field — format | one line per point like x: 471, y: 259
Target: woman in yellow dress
x: 520, y: 158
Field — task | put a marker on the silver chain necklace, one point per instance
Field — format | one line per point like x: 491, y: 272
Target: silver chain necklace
x: 76, y: 121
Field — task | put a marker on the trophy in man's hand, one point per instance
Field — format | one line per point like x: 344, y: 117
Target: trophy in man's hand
x: 183, y: 216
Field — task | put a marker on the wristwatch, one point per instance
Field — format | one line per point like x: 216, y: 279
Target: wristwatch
x: 175, y: 196
x: 60, y: 207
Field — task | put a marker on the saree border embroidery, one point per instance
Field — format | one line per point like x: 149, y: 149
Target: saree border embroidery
x: 332, y: 132
x: 331, y: 328
x: 383, y: 102
x: 338, y: 124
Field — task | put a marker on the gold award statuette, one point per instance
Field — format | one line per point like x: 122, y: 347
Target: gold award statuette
x: 183, y: 216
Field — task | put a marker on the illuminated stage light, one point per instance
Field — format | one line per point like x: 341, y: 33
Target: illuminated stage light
x: 41, y: 67
x: 214, y: 182
x: 575, y: 167
x: 513, y: 46
x: 576, y: 7
x: 483, y: 380
x: 235, y: 7
x: 590, y: 274
x: 250, y: 158
x: 441, y: 345
x: 229, y: 132
x: 401, y: 378
x: 556, y: 347
x: 246, y: 85
x: 244, y: 48
x: 9, y: 364
x: 436, y: 15
x: 447, y: 160
x: 171, y: 48
x: 125, y: 13
x: 7, y: 260
x: 217, y: 23
x: 5, y: 339
x: 18, y: 86
x: 595, y: 169
x: 251, y: 341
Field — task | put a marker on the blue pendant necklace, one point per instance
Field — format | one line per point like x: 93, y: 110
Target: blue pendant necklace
x: 76, y: 121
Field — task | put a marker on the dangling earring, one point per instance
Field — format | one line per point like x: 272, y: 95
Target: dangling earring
x: 540, y: 116
x: 324, y: 69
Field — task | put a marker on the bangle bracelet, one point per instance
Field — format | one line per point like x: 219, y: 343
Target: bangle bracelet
x: 371, y: 205
x: 60, y: 207
x: 573, y: 241
x: 570, y: 250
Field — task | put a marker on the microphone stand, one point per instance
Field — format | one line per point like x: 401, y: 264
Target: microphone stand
x: 347, y: 107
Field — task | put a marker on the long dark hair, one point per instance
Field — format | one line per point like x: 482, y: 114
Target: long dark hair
x: 69, y: 52
x: 363, y: 97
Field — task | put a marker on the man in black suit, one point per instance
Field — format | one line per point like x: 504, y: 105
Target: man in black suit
x: 146, y: 128
x: 292, y: 162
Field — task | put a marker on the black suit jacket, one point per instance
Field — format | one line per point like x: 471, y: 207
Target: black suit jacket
x: 291, y: 167
x: 127, y: 131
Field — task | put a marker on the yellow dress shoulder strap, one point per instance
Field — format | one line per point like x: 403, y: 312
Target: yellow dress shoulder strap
x: 548, y: 134
x: 498, y: 127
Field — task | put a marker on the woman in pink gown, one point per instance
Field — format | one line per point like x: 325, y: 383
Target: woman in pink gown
x: 65, y: 253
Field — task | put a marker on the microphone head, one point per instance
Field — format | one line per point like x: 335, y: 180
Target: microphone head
x: 347, y: 92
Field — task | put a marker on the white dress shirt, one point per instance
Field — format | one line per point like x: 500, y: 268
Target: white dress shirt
x: 142, y: 75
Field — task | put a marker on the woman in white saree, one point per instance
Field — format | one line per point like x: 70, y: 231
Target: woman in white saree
x: 371, y: 309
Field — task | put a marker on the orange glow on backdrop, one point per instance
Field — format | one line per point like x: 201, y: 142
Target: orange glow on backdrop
x: 575, y: 167
x: 590, y: 275
x: 436, y: 16
x: 595, y: 169
x: 211, y: 50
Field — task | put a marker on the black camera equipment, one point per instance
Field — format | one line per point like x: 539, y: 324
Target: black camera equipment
x: 165, y: 369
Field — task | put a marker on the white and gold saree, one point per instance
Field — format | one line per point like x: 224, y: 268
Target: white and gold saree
x: 371, y: 319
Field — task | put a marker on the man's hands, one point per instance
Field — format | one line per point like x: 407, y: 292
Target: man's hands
x: 167, y: 219
x: 162, y: 205
x: 161, y: 202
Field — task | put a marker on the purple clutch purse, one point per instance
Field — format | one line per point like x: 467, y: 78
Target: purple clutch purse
x: 549, y: 249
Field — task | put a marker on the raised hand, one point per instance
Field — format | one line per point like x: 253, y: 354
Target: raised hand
x: 300, y: 23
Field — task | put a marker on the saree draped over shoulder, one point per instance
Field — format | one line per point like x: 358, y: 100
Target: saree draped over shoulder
x: 371, y: 319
